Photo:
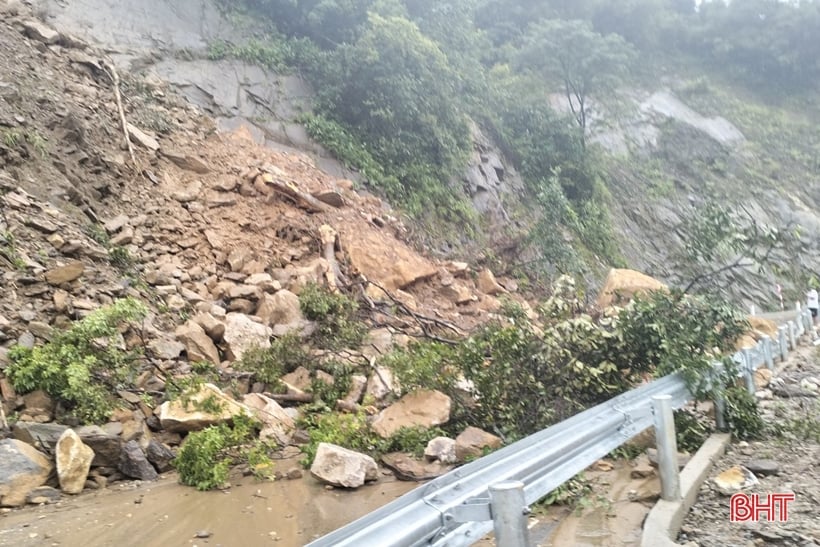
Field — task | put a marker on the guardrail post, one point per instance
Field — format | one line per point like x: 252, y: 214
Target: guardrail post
x: 720, y: 412
x: 781, y: 340
x: 748, y: 371
x: 766, y: 346
x: 792, y: 338
x: 509, y: 510
x: 667, y: 447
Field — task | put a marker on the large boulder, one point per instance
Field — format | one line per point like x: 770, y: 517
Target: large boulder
x: 379, y: 258
x: 22, y: 469
x: 281, y: 308
x: 106, y: 446
x: 208, y: 406
x: 277, y: 424
x: 198, y: 345
x: 43, y: 437
x: 73, y: 462
x: 342, y: 467
x: 243, y: 333
x: 134, y: 464
x: 471, y: 443
x: 622, y: 285
x: 421, y: 408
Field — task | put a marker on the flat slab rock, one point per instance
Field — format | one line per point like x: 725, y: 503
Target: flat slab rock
x: 408, y: 468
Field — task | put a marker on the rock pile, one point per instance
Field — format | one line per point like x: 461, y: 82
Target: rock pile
x: 219, y: 236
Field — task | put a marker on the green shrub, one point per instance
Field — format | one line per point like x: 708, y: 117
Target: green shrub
x: 206, y: 456
x: 691, y: 430
x: 346, y: 430
x: 335, y: 314
x: 268, y: 365
x: 84, y: 366
x: 742, y: 415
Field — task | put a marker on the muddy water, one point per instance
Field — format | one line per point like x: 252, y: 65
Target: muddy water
x: 613, y: 519
x: 283, y: 513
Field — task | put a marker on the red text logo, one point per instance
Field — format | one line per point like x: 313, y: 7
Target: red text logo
x: 753, y: 507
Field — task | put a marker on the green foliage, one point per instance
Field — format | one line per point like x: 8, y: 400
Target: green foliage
x: 336, y: 316
x: 268, y: 365
x: 346, y: 430
x: 270, y: 51
x: 669, y: 331
x: 691, y: 430
x: 569, y: 493
x: 425, y: 365
x: 22, y: 140
x: 206, y: 456
x: 411, y: 440
x: 327, y: 393
x: 347, y: 148
x: 352, y: 431
x: 121, y: 258
x: 742, y: 415
x: 720, y: 240
x: 583, y: 60
x: 83, y: 366
x: 8, y: 250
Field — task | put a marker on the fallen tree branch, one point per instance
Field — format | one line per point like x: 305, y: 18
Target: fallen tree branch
x: 115, y: 79
x: 290, y: 190
x: 423, y: 321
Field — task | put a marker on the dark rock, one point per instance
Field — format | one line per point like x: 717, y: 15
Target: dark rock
x: 43, y: 437
x: 134, y: 464
x: 763, y: 467
x: 106, y: 447
x: 43, y: 494
x: 159, y: 455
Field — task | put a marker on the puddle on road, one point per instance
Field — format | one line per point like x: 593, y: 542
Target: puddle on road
x: 612, y: 521
x: 283, y: 513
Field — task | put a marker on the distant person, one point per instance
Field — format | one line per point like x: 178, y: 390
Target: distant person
x: 812, y: 303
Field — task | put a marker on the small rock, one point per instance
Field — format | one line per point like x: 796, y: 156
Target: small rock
x: 202, y: 534
x: 186, y: 161
x: 189, y: 193
x: 410, y: 469
x: 142, y: 138
x: 115, y: 224
x: 43, y: 494
x: 442, y: 449
x: 294, y: 473
x: 734, y: 480
x: 487, y: 283
x: 763, y: 467
x: 40, y: 32
x: 65, y: 274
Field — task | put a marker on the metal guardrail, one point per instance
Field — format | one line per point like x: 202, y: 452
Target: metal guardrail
x: 456, y: 509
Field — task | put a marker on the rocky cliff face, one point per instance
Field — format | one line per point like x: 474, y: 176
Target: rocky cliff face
x: 674, y: 154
